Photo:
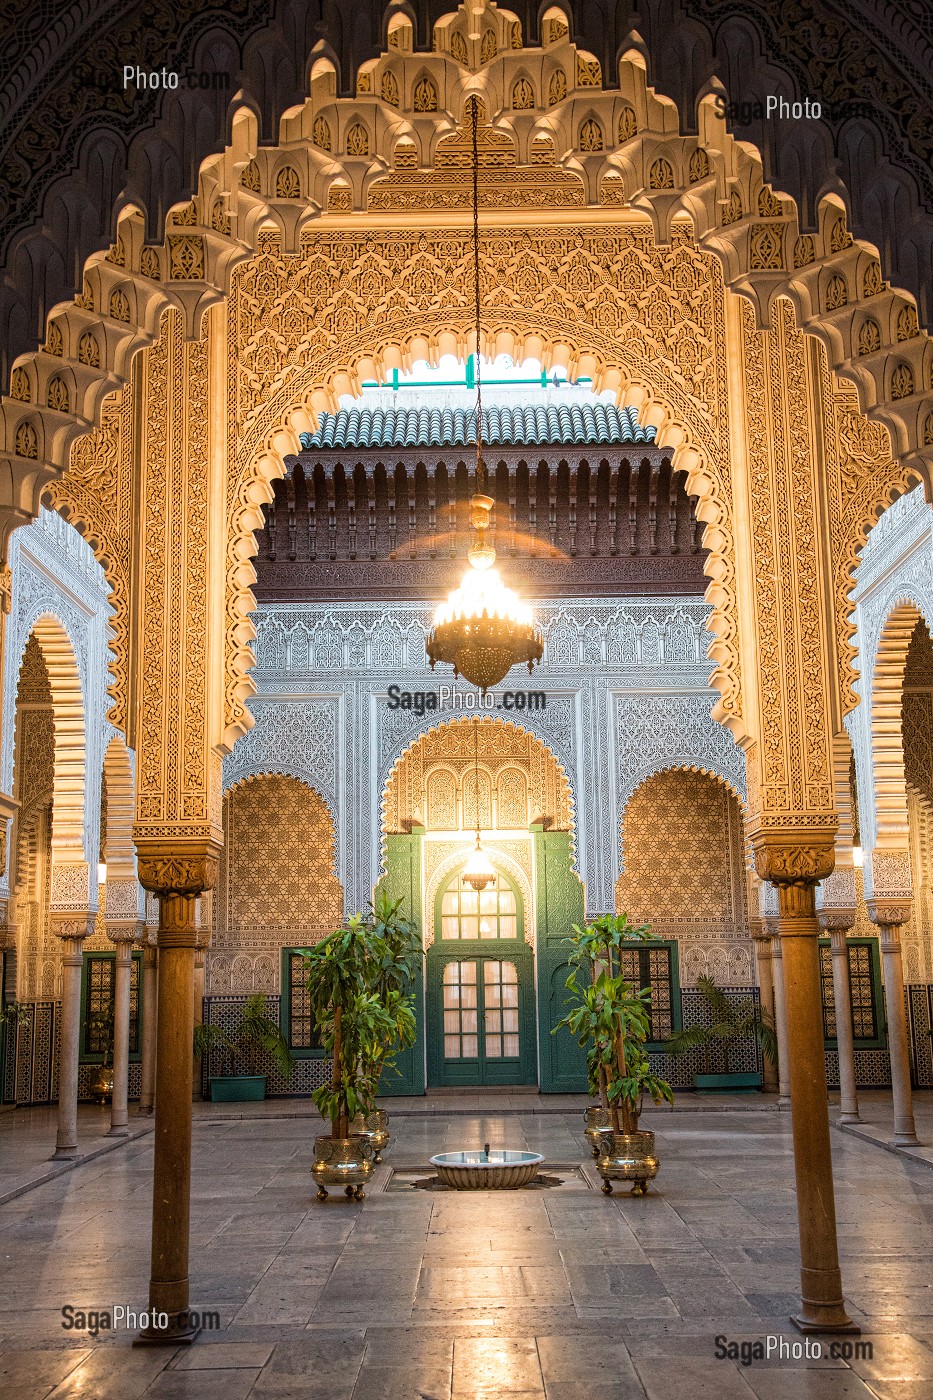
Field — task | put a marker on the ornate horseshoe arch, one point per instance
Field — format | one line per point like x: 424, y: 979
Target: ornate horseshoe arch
x: 343, y: 158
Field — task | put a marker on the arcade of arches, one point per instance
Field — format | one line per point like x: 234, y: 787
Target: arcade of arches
x: 244, y: 450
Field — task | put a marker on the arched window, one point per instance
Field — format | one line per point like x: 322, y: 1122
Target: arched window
x: 492, y: 913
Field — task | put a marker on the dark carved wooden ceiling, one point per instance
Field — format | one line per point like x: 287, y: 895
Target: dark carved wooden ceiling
x: 591, y: 520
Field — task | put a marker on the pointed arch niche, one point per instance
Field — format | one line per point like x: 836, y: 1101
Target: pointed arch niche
x: 33, y: 973
x: 686, y: 872
x: 277, y: 886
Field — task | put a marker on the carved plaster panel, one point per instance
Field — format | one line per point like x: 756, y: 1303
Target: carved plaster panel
x: 896, y: 567
x: 630, y: 677
x: 54, y: 573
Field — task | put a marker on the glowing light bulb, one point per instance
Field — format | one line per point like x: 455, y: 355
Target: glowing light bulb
x: 478, y: 872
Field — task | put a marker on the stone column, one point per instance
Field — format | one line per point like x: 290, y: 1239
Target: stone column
x: 124, y: 928
x: 177, y: 877
x: 72, y: 930
x: 197, y: 1006
x: 837, y: 925
x: 780, y: 1013
x: 150, y: 994
x: 888, y: 896
x: 836, y: 912
x: 123, y: 939
x: 889, y: 919
x: 762, y: 940
x: 795, y: 872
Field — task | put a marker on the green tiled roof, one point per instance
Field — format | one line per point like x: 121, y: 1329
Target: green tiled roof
x: 551, y: 424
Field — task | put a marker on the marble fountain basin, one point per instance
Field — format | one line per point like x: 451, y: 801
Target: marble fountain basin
x: 499, y: 1169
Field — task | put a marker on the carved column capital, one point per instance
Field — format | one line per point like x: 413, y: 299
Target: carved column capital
x: 178, y: 870
x: 125, y: 935
x: 836, y: 920
x: 888, y: 914
x: 73, y: 923
x: 789, y: 856
x: 758, y: 931
x: 180, y: 867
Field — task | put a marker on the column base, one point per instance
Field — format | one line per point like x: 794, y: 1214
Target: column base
x: 822, y: 1306
x: 145, y: 1111
x: 784, y: 1101
x: 845, y: 1119
x: 814, y: 1327
x: 65, y: 1154
x: 178, y: 1333
x: 905, y: 1140
x: 121, y: 1131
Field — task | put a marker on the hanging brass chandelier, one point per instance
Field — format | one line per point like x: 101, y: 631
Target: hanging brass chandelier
x: 483, y: 629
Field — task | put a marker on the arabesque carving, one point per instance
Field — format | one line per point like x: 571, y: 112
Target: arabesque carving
x: 613, y: 299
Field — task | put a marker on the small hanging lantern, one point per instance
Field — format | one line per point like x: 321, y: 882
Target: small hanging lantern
x: 478, y: 870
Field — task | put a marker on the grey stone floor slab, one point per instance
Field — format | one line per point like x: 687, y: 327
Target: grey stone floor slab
x: 559, y: 1294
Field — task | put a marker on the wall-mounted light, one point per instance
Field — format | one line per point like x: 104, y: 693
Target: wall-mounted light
x: 858, y: 856
x: 101, y: 873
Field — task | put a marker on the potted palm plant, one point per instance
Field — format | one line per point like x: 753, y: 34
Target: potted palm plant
x: 395, y: 964
x: 256, y: 1037
x: 732, y: 1021
x: 611, y: 1019
x: 352, y: 1021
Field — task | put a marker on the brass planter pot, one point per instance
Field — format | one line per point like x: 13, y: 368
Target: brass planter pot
x: 102, y: 1085
x: 627, y: 1157
x: 598, y: 1124
x: 375, y: 1127
x: 342, y: 1162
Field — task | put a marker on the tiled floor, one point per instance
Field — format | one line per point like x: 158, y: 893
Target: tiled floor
x: 556, y: 1293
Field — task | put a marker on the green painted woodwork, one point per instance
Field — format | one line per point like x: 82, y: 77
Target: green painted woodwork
x: 85, y: 1057
x: 301, y: 1051
x: 559, y: 898
x: 402, y: 880
x: 484, y: 1069
x: 879, y: 1041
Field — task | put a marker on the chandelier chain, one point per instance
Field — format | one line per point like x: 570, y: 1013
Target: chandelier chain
x: 480, y: 464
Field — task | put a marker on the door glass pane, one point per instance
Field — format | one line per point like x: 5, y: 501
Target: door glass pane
x: 491, y: 913
x: 500, y: 1018
x: 461, y: 1015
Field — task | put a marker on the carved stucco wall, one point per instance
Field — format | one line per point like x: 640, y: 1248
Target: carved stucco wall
x: 54, y: 573
x: 628, y: 694
x: 917, y: 728
x: 917, y: 720
x: 37, y: 970
x: 896, y: 567
x: 517, y: 778
x: 277, y: 885
x: 685, y: 873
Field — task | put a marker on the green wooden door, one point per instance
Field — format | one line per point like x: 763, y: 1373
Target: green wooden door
x: 559, y: 904
x: 403, y: 881
x: 480, y: 1010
